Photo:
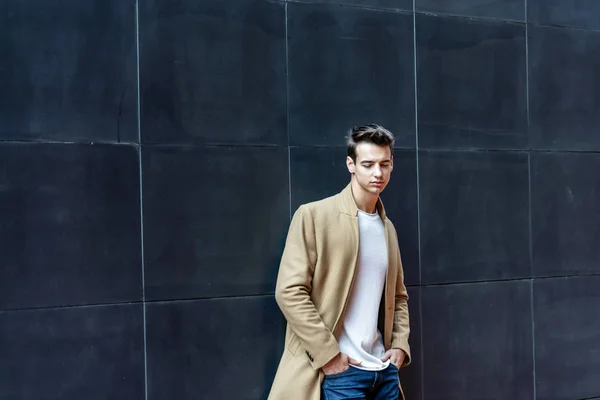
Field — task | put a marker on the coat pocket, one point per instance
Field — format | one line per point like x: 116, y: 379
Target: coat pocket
x: 293, y: 343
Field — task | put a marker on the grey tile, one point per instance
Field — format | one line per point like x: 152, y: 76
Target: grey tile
x: 577, y: 13
x: 349, y: 66
x: 471, y: 83
x: 213, y: 71
x: 564, y: 85
x: 565, y: 189
x: 513, y: 10
x: 477, y: 341
x: 474, y: 216
x: 215, y: 219
x: 68, y: 70
x: 70, y: 230
x: 406, y: 5
x: 213, y: 349
x: 411, y: 377
x: 567, y: 338
x: 92, y: 353
x: 317, y: 173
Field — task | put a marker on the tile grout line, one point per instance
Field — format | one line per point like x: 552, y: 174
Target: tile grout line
x: 417, y: 139
x: 508, y: 280
x: 527, y: 75
x: 533, y: 354
x: 199, y: 145
x: 130, y: 303
x: 139, y: 120
x: 350, y: 5
x: 137, y: 50
x: 287, y: 108
x: 422, y: 353
x: 531, y: 302
x: 529, y: 175
x: 566, y: 27
x: 455, y: 150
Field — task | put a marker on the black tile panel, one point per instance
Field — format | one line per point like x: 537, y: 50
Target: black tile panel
x: 576, y: 13
x: 349, y: 66
x: 565, y: 189
x: 477, y: 341
x: 317, y: 173
x: 213, y: 349
x: 564, y: 84
x: 68, y: 70
x: 213, y: 71
x: 70, y: 230
x: 567, y: 338
x: 474, y: 216
x: 513, y: 10
x: 215, y: 219
x: 471, y: 83
x: 92, y: 353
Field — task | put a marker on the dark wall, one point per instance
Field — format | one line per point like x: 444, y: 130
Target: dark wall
x: 152, y: 152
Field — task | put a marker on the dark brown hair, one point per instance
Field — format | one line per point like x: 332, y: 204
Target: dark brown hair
x: 370, y: 133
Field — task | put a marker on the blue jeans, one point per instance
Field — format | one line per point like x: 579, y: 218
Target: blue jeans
x: 358, y: 384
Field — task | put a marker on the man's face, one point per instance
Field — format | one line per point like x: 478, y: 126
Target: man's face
x: 373, y: 167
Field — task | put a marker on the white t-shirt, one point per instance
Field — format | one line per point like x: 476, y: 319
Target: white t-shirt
x: 359, y: 337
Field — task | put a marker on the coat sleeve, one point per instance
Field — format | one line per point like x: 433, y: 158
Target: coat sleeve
x: 293, y: 289
x: 401, y: 327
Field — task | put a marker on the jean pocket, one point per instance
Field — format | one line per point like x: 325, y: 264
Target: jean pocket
x: 339, y: 374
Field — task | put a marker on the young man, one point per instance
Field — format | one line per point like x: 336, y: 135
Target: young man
x: 341, y: 288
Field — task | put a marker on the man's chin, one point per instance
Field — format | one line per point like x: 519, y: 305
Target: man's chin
x: 375, y: 189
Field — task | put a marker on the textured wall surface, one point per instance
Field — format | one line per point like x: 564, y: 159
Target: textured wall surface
x: 152, y: 152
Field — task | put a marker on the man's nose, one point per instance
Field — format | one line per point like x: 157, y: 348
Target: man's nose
x: 378, y: 171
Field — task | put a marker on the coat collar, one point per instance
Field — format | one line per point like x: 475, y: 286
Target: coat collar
x: 348, y: 205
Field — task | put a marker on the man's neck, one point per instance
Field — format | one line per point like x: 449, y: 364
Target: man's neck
x: 364, y: 200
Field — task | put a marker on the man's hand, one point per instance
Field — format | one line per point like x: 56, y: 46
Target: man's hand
x: 339, y: 364
x: 396, y: 356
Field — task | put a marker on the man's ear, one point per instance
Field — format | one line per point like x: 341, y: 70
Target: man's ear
x: 350, y: 165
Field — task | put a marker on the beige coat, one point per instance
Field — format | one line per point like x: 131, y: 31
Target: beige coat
x: 315, y: 278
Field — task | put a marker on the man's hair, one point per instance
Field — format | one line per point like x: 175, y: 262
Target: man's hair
x: 370, y: 133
